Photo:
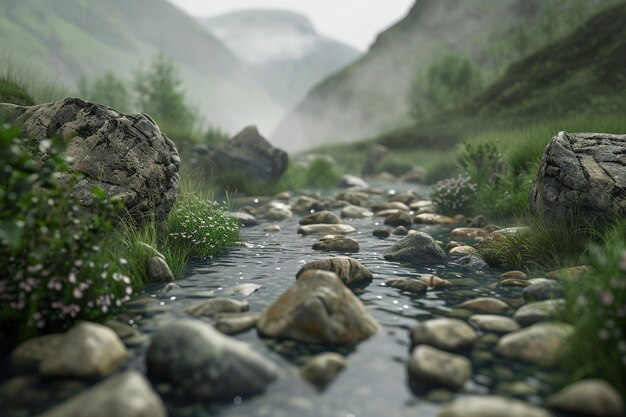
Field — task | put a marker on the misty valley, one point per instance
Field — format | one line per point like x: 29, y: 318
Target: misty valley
x: 313, y: 208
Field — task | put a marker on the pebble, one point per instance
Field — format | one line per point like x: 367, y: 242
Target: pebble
x: 234, y: 323
x: 322, y: 369
x: 337, y: 243
x: 486, y: 305
x: 541, y: 343
x: 494, y: 323
x: 159, y: 271
x: 407, y: 284
x: 217, y: 305
x: 431, y: 367
x: 272, y: 228
x: 514, y: 275
x: 463, y: 250
x: 591, y: 397
x: 434, y: 282
x: 381, y: 232
x: 490, y: 406
x: 349, y: 270
x: 539, y: 311
x: 448, y: 334
x: 542, y: 289
x: 326, y: 229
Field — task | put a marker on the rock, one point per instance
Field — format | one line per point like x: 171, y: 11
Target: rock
x: 490, y: 406
x: 245, y: 219
x: 375, y: 155
x: 420, y: 204
x: 434, y: 282
x: 415, y: 175
x: 448, y: 334
x: 477, y: 222
x: 513, y: 283
x: 349, y: 270
x: 407, y: 284
x: 431, y: 218
x: 336, y: 243
x: 431, y: 367
x: 581, y: 179
x: 127, y: 394
x: 251, y: 155
x: 217, y: 305
x: 31, y: 352
x: 233, y: 323
x: 542, y: 289
x: 306, y: 205
x: 321, y: 370
x: 381, y: 232
x: 245, y: 289
x: 590, y: 397
x: 400, y: 231
x: 326, y: 229
x: 514, y: 275
x: 122, y: 329
x: 419, y: 247
x: 351, y: 181
x: 399, y: 218
x: 353, y: 197
x: 272, y: 228
x: 205, y: 364
x: 486, y: 305
x: 463, y: 250
x: 355, y: 212
x: 87, y: 350
x: 396, y: 206
x: 466, y: 232
x: 539, y: 311
x: 574, y: 272
x: 494, y: 323
x: 159, y: 270
x: 320, y: 217
x: 318, y: 309
x: 278, y: 214
x: 472, y: 262
x: 125, y: 155
x: 541, y: 343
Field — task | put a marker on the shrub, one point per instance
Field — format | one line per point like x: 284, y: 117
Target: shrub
x: 322, y: 173
x: 56, y: 268
x: 108, y: 90
x: 454, y: 195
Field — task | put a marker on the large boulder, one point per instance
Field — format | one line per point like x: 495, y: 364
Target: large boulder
x: 419, y: 247
x: 318, y: 309
x: 582, y: 177
x: 203, y: 363
x: 250, y: 154
x: 125, y: 155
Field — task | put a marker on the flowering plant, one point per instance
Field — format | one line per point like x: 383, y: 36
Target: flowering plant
x: 454, y: 195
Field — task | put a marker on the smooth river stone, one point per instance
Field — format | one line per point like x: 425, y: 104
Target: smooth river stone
x: 486, y: 305
x: 434, y: 282
x: 448, y: 334
x: 349, y: 270
x: 539, y: 311
x: 233, y: 323
x: 490, y: 406
x: 431, y: 218
x: 542, y: 343
x: 318, y: 308
x: 326, y: 229
x: 32, y: 351
x: 399, y: 218
x: 494, y: 323
x: 320, y: 217
x: 417, y: 247
x: 337, y: 243
x: 590, y: 397
x: 321, y: 370
x: 463, y: 250
x: 431, y: 367
x: 407, y: 284
x: 355, y: 212
x: 217, y: 305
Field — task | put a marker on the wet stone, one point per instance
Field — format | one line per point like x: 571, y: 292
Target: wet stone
x: 435, y: 282
x: 320, y: 217
x: 399, y: 218
x: 407, y: 284
x: 159, y: 271
x: 542, y: 289
x: 542, y: 343
x: 321, y: 370
x: 490, y: 406
x: 495, y: 323
x: 431, y: 367
x: 355, y: 212
x: 539, y: 311
x: 590, y: 397
x: 233, y: 323
x: 272, y: 228
x: 463, y: 250
x: 514, y: 275
x: 448, y: 334
x: 217, y: 305
x: 338, y: 243
x: 31, y: 352
x: 381, y: 232
x: 326, y: 229
x: 488, y: 305
x: 400, y: 231
x: 349, y: 270
x: 419, y: 247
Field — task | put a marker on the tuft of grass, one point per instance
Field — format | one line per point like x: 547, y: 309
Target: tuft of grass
x: 596, y: 306
x: 23, y: 74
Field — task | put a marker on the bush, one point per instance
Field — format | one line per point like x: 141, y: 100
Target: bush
x: 322, y: 173
x: 454, y: 195
x: 108, y: 90
x: 56, y: 266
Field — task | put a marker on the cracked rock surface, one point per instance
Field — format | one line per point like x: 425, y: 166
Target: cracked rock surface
x: 125, y: 155
x: 582, y: 176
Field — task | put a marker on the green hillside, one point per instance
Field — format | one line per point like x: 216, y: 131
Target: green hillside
x: 67, y: 39
x: 370, y: 96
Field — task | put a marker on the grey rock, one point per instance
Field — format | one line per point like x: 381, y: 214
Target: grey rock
x: 407, y: 284
x: 350, y: 181
x: 217, y: 305
x: 320, y: 217
x: 472, y: 262
x: 542, y: 289
x: 336, y: 243
x: 355, y: 212
x: 431, y: 367
x: 419, y: 247
x: 251, y: 155
x: 272, y: 228
x: 356, y: 198
x: 307, y: 205
x: 205, y: 364
x: 490, y: 406
x: 159, y: 270
x: 278, y: 214
x: 399, y: 218
x: 494, y: 323
x: 349, y: 270
x: 541, y: 343
x: 448, y: 334
x: 322, y: 369
x: 539, y: 311
x: 326, y: 229
x: 87, y: 350
x: 127, y: 394
x: 318, y: 309
x: 381, y: 232
x: 581, y: 178
x: 590, y: 397
x: 245, y: 289
x: 233, y: 323
x: 125, y: 155
x: 400, y: 231
x: 488, y: 305
x: 244, y: 219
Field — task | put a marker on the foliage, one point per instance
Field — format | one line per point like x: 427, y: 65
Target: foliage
x: 13, y: 93
x: 108, y: 90
x: 322, y: 173
x: 56, y: 268
x: 159, y: 93
x: 38, y: 88
x: 596, y: 306
x: 454, y: 195
x: 450, y: 81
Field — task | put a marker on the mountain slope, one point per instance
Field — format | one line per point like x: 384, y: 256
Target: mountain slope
x: 285, y: 53
x: 70, y: 38
x: 370, y: 96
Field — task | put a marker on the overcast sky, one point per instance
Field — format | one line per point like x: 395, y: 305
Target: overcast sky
x: 355, y: 22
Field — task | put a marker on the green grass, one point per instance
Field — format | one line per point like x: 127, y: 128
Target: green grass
x: 596, y: 306
x: 40, y: 89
